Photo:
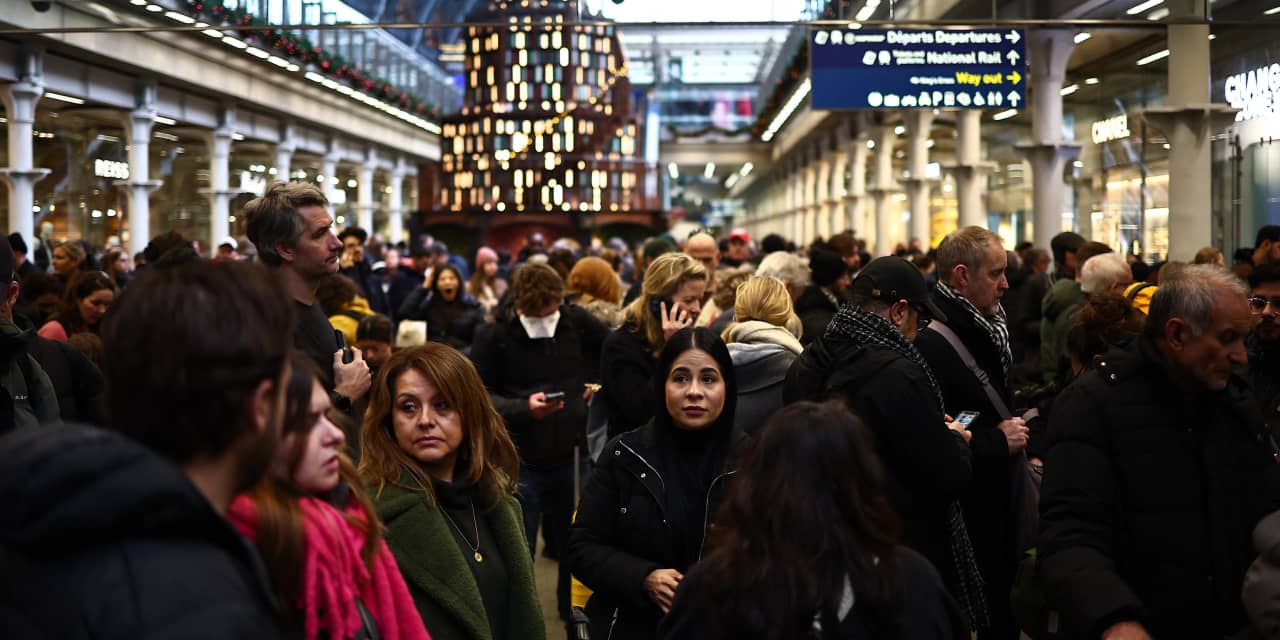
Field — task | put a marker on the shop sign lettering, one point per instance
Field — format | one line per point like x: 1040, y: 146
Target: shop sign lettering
x: 1116, y: 128
x: 111, y: 169
x: 1255, y: 93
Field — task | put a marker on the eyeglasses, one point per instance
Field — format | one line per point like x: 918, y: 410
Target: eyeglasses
x: 1258, y: 304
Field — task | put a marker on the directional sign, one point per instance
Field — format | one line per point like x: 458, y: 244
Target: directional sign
x: 918, y: 68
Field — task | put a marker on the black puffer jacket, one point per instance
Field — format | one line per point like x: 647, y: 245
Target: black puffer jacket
x: 622, y: 533
x: 76, y: 381
x: 815, y: 310
x: 627, y: 364
x: 515, y: 366
x: 1149, y: 499
x: 458, y: 332
x: 926, y: 465
x: 103, y: 539
x: 27, y: 397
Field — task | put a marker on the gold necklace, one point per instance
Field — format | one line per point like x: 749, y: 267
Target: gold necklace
x: 476, y: 523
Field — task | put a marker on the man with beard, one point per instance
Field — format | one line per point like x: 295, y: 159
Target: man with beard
x: 1264, y: 341
x: 121, y: 533
x: 291, y: 227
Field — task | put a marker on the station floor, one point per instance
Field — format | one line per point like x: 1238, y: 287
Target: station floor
x: 544, y: 574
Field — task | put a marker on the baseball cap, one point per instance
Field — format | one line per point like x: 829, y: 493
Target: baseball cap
x: 740, y: 234
x: 891, y: 279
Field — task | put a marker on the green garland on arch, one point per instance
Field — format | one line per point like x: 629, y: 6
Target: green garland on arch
x: 301, y: 50
x: 676, y: 131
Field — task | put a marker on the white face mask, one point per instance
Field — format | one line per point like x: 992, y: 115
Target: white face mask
x: 544, y: 327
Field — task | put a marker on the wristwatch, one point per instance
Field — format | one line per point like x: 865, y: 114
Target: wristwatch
x: 340, y: 402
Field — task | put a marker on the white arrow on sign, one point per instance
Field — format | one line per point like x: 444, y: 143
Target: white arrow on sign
x: 1014, y: 98
x: 1013, y: 57
x: 1013, y: 37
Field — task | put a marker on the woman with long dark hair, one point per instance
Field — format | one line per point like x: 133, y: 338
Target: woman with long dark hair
x: 643, y: 516
x: 443, y: 470
x: 805, y: 546
x: 85, y: 302
x: 452, y: 314
x: 314, y: 526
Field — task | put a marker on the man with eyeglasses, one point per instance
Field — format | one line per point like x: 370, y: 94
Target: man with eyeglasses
x: 1264, y: 341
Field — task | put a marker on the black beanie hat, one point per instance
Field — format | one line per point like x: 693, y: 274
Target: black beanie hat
x: 826, y: 267
x: 17, y: 244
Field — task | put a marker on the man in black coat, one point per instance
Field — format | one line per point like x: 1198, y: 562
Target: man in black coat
x: 865, y: 356
x: 1158, y: 470
x: 823, y: 297
x: 549, y: 347
x: 1264, y: 340
x: 971, y: 272
x: 120, y: 533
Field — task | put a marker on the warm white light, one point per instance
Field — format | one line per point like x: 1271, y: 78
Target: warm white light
x: 1091, y: 81
x: 232, y: 42
x: 1271, y: 12
x: 1005, y: 115
x: 1159, y: 14
x: 155, y: 8
x: 178, y: 17
x: 899, y: 130
x: 1082, y: 36
x: 788, y: 108
x: 1149, y: 4
x: 710, y: 171
x: 1161, y: 55
x: 278, y: 61
x: 1070, y: 89
x: 212, y: 33
x: 165, y: 121
x: 746, y: 169
x: 673, y: 171
x: 58, y: 96
x: 257, y: 53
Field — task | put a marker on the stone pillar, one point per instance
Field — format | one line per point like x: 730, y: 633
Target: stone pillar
x: 329, y: 169
x: 1047, y: 52
x: 835, y: 219
x: 884, y: 188
x: 856, y: 196
x: 821, y: 195
x: 219, y: 190
x: 970, y: 170
x: 364, y: 192
x: 918, y: 123
x: 139, y: 186
x: 1188, y: 119
x: 21, y: 175
x: 395, y: 211
x: 284, y: 153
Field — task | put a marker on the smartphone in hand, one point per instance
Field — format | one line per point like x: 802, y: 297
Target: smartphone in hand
x: 966, y: 418
x: 552, y: 396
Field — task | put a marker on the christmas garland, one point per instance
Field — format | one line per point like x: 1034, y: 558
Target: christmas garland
x: 709, y: 129
x: 300, y: 49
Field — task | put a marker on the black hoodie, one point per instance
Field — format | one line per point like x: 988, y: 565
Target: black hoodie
x: 102, y: 538
x: 29, y: 398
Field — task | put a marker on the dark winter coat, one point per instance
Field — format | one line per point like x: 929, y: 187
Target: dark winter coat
x: 77, y: 382
x: 1261, y: 591
x: 621, y: 534
x: 515, y: 366
x: 442, y: 585
x: 926, y: 465
x: 27, y: 396
x: 922, y: 609
x: 1063, y: 295
x: 761, y: 370
x: 816, y: 311
x: 403, y: 283
x: 459, y: 333
x: 137, y: 552
x: 1149, y: 500
x: 627, y: 365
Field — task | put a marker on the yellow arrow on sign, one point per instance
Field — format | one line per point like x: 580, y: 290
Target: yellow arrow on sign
x: 1015, y: 77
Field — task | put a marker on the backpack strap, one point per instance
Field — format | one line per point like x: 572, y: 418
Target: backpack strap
x: 972, y: 365
x: 1132, y: 293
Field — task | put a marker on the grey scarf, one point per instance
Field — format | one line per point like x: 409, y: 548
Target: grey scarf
x: 996, y: 327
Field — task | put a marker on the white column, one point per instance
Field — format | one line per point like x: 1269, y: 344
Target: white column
x: 395, y: 210
x: 219, y: 191
x: 884, y: 188
x: 821, y: 195
x: 139, y: 186
x: 21, y: 176
x: 970, y: 170
x: 1188, y: 120
x: 918, y: 123
x: 329, y: 169
x: 856, y: 196
x: 1047, y: 52
x: 284, y: 153
x: 836, y: 220
x: 364, y: 192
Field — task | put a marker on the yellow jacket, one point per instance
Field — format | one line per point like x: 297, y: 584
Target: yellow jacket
x: 349, y: 318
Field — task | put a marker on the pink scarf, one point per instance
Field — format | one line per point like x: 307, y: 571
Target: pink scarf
x: 334, y: 574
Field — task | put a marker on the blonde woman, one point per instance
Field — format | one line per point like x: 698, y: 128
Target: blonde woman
x: 763, y: 343
x: 442, y: 472
x: 670, y: 300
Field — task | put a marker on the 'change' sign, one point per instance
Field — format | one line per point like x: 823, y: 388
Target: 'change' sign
x: 918, y: 68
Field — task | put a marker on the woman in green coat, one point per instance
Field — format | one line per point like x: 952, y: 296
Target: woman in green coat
x: 443, y: 471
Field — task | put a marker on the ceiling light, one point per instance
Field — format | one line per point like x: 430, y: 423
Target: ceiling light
x: 230, y: 41
x: 1068, y: 90
x: 138, y: 3
x: 212, y: 33
x: 1271, y: 12
x: 165, y: 121
x: 1091, y: 81
x: 1159, y: 14
x: 293, y: 67
x: 1082, y: 36
x: 899, y: 130
x: 710, y: 171
x: 237, y: 136
x: 184, y: 19
x: 166, y: 136
x: 1149, y: 4
x: 58, y: 96
x: 314, y: 77
x: 672, y: 170
x: 257, y: 53
x: 787, y: 109
x: 1005, y: 115
x: 733, y: 179
x: 278, y: 61
x: 1160, y: 55
x: 155, y: 8
x: 746, y: 169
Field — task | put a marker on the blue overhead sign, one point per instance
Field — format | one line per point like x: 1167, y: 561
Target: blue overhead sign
x: 918, y: 68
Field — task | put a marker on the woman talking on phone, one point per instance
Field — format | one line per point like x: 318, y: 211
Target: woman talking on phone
x: 644, y: 513
x: 670, y: 300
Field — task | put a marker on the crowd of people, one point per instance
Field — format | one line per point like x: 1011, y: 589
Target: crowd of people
x: 313, y: 433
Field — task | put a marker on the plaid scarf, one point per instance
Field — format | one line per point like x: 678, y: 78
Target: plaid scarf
x: 996, y: 326
x: 866, y: 328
